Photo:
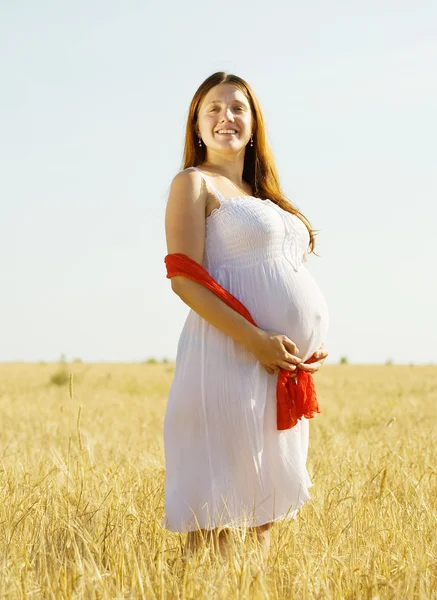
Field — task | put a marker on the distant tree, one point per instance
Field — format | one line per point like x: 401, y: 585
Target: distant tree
x: 343, y: 360
x: 151, y: 361
x: 77, y: 360
x: 165, y: 361
x: 388, y: 362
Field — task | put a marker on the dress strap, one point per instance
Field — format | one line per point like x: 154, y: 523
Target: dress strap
x: 214, y: 189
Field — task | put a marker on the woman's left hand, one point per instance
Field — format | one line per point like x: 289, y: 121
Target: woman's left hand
x: 318, y: 359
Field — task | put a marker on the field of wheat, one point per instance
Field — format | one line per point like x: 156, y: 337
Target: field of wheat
x: 82, y: 491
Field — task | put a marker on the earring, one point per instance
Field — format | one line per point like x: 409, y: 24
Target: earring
x: 251, y: 140
x: 200, y: 141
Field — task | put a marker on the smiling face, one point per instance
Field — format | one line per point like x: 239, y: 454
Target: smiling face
x: 224, y: 119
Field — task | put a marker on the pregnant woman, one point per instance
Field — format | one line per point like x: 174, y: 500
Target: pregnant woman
x: 228, y: 464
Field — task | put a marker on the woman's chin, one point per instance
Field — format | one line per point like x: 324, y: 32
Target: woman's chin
x: 227, y: 148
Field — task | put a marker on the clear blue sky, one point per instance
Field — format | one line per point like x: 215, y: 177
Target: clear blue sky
x: 94, y: 100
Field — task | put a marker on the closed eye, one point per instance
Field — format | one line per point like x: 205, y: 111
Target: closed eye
x: 235, y: 108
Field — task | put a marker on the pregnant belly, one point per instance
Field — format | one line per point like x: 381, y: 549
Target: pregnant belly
x: 307, y: 318
x: 291, y: 303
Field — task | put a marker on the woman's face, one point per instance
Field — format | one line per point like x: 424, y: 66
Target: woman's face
x: 225, y: 107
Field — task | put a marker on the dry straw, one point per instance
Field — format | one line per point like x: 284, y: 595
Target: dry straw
x: 86, y: 524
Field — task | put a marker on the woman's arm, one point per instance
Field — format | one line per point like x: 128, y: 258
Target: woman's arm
x: 185, y: 233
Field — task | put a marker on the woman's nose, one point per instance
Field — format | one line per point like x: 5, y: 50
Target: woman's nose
x: 227, y: 114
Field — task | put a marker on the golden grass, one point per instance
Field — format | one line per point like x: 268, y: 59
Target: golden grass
x: 81, y: 492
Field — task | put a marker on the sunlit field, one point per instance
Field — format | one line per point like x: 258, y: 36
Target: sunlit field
x: 82, y: 491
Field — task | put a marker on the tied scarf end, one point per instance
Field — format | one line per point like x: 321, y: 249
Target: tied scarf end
x: 289, y: 421
x: 296, y: 399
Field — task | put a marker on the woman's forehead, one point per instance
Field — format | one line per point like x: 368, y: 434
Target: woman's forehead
x: 224, y: 92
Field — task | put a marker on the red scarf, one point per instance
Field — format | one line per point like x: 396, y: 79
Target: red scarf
x: 295, y: 396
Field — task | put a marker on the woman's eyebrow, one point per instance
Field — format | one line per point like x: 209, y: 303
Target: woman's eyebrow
x: 219, y: 101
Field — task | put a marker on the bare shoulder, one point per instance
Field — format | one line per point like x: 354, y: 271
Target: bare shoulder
x: 185, y: 215
x: 187, y: 182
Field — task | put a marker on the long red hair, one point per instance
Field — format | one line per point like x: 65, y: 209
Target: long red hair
x: 259, y: 166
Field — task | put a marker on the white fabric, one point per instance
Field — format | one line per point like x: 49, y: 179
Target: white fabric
x: 226, y: 463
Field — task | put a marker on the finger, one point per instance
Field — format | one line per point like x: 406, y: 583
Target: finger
x: 294, y: 360
x: 290, y: 346
x: 290, y: 357
x: 323, y: 350
x: 311, y: 371
x: 307, y: 365
x: 312, y: 368
x: 283, y: 364
x: 321, y: 354
x: 271, y: 370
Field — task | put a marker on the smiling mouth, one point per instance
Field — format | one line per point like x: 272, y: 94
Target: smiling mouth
x: 226, y: 133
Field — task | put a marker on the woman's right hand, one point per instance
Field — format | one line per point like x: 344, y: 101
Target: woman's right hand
x: 275, y: 351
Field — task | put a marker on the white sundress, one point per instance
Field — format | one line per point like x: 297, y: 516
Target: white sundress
x: 226, y: 463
